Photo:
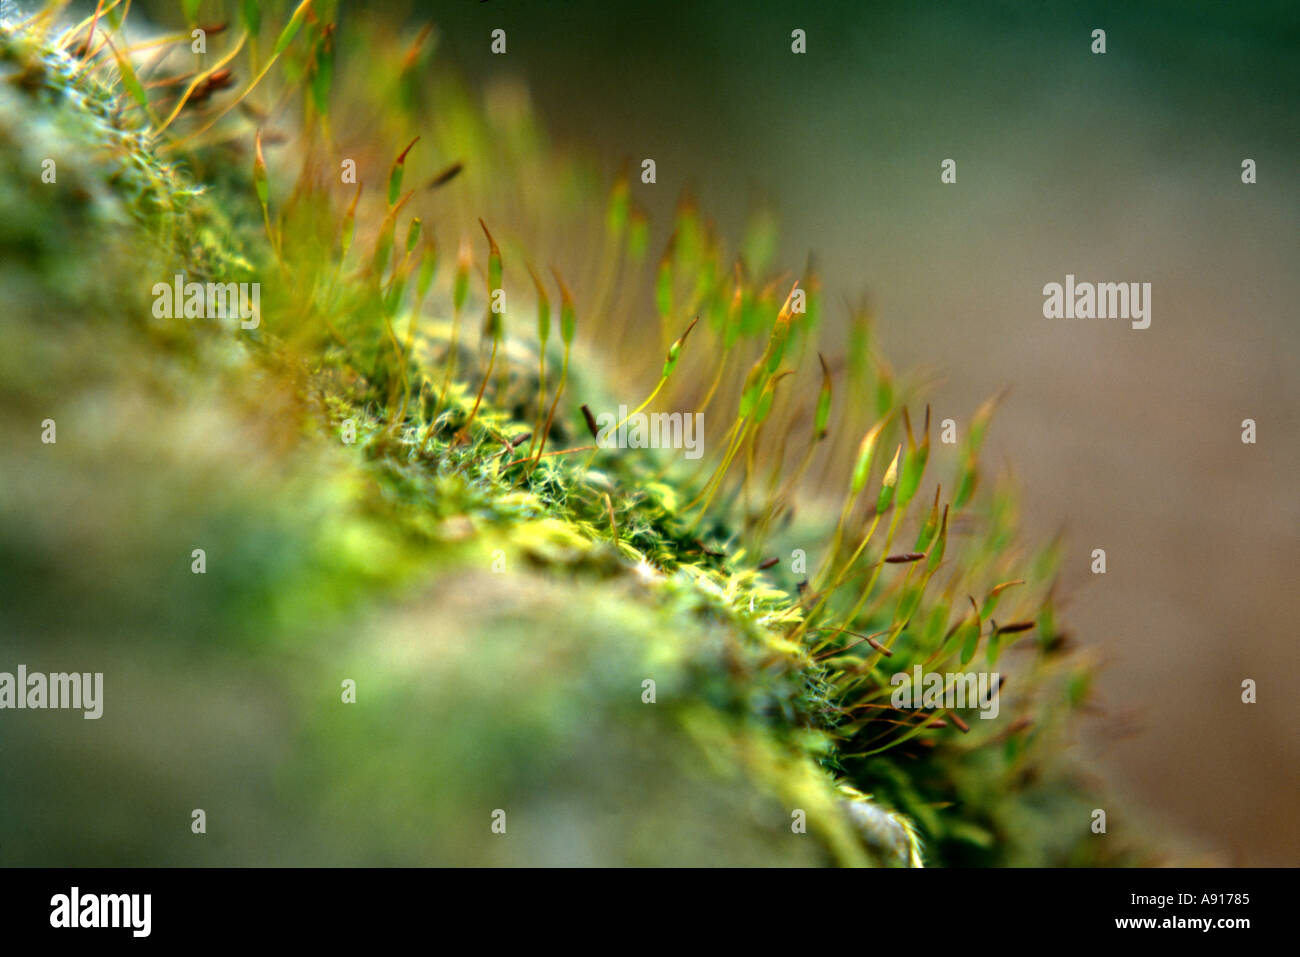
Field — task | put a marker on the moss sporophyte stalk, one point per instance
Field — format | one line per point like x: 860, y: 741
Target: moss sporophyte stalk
x: 466, y: 465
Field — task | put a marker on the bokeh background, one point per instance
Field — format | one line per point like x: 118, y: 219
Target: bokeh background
x: 1116, y: 167
x: 1122, y: 167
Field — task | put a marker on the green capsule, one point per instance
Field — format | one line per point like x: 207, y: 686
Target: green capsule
x: 494, y: 262
x: 823, y: 416
x: 664, y: 287
x: 251, y: 13
x: 397, y: 172
x: 888, y: 483
x: 617, y: 214
x: 460, y: 285
x: 930, y: 527
x: 966, y: 484
x: 753, y: 386
x: 638, y: 236
x: 866, y: 451
x: 675, y: 351
x: 290, y: 29
x: 936, y: 553
x: 568, y: 317
x: 969, y: 635
x: 913, y: 469
x: 322, y: 74
x: 260, y: 181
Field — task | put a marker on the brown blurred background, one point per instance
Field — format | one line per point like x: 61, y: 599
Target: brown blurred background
x: 1117, y: 167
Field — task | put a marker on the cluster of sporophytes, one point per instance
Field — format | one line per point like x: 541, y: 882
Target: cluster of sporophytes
x: 394, y: 480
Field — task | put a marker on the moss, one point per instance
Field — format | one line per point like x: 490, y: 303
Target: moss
x: 499, y: 614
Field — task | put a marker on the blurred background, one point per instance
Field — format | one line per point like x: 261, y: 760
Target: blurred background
x: 1117, y: 167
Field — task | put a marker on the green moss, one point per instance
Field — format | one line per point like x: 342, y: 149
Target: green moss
x: 499, y: 615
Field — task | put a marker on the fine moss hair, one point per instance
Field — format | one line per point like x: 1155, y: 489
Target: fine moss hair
x: 640, y: 658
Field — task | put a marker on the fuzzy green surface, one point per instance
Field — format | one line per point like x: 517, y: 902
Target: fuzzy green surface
x: 499, y: 629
